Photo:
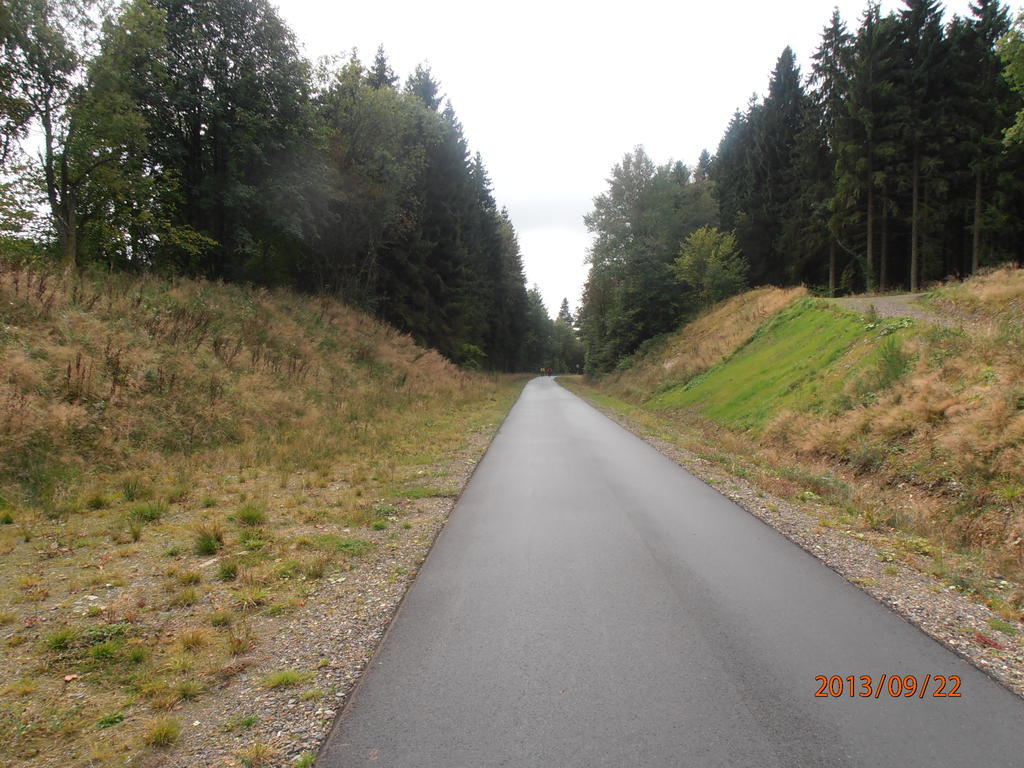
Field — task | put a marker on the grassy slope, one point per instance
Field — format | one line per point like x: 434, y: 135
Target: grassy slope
x: 921, y: 426
x: 179, y: 462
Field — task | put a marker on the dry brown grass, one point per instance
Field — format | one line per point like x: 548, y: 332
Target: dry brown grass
x: 138, y: 416
x: 699, y: 345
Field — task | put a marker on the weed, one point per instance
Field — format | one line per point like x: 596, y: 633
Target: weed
x: 316, y: 567
x: 6, y: 617
x: 221, y: 618
x: 250, y: 598
x: 190, y: 578
x: 185, y: 597
x: 257, y: 755
x: 285, y: 678
x: 97, y: 501
x: 209, y: 538
x: 133, y: 489
x: 241, y: 723
x: 188, y: 690
x: 62, y: 639
x: 114, y: 718
x: 311, y: 695
x: 149, y: 512
x: 1002, y: 626
x: 240, y: 639
x: 251, y: 515
x: 354, y: 547
x: 305, y: 760
x: 162, y: 732
x: 379, y: 525
x: 193, y: 639
x: 6, y: 518
x: 227, y: 570
x: 105, y: 651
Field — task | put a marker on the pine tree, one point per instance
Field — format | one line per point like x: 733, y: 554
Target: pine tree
x: 380, y: 75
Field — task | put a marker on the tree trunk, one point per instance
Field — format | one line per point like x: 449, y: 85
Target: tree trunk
x: 832, y: 268
x: 70, y: 233
x: 869, y: 276
x: 976, y: 242
x: 914, y: 266
x: 883, y: 256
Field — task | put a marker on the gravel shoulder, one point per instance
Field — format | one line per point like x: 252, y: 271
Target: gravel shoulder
x: 942, y: 612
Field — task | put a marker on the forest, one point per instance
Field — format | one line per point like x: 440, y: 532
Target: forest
x: 190, y: 137
x: 895, y: 162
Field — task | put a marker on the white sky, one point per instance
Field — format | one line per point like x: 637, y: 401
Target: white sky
x: 554, y: 93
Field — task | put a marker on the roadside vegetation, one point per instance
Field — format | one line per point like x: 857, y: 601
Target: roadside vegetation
x: 894, y: 425
x: 181, y: 461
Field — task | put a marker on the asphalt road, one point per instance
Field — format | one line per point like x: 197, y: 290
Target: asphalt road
x: 590, y: 603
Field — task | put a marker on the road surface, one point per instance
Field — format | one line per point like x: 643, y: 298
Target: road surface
x: 590, y: 603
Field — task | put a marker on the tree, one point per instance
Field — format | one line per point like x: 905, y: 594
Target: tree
x: 920, y: 97
x: 381, y: 74
x: 711, y: 266
x: 1011, y: 51
x: 865, y: 146
x: 423, y: 86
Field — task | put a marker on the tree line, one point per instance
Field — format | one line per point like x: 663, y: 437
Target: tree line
x: 191, y: 137
x: 894, y: 162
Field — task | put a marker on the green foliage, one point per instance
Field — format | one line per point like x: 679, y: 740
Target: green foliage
x: 711, y: 267
x: 1011, y: 51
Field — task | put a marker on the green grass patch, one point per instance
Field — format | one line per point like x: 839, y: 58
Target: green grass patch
x: 335, y: 543
x: 792, y: 363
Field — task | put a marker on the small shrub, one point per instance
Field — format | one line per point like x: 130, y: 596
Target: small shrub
x: 251, y: 515
x: 285, y: 678
x: 163, y: 732
x: 6, y: 518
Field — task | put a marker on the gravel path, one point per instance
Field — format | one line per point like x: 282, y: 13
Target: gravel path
x: 902, y: 305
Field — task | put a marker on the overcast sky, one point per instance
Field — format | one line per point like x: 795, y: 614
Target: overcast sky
x: 554, y: 93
